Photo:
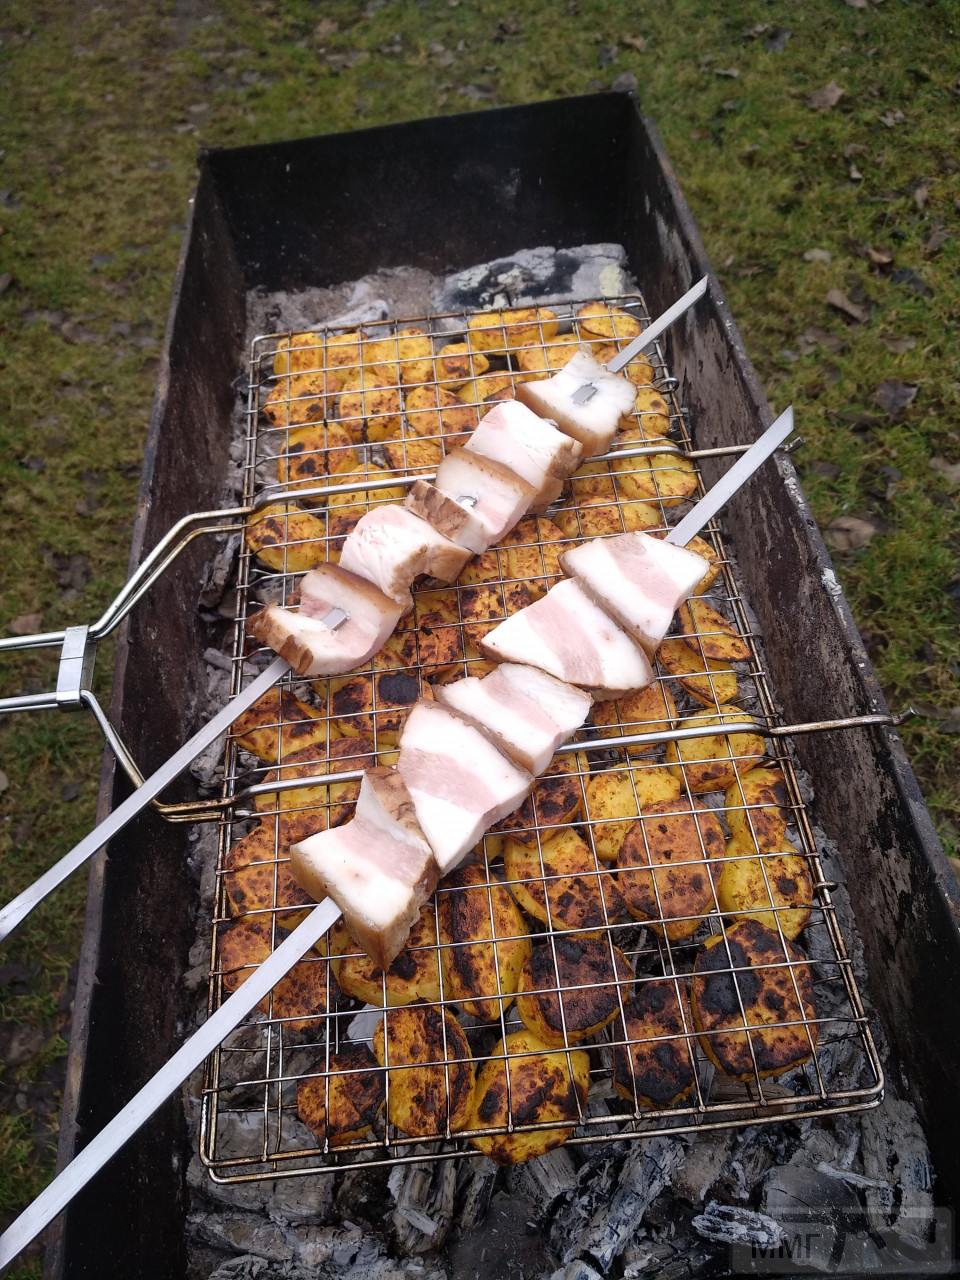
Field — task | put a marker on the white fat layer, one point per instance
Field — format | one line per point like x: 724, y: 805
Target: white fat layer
x: 500, y: 500
x: 391, y: 546
x: 530, y: 445
x: 372, y: 809
x: 450, y: 828
x: 594, y: 423
x: 334, y: 859
x: 567, y: 705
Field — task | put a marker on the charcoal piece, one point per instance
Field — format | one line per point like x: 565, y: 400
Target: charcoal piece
x: 424, y: 1198
x: 545, y: 1180
x: 243, y: 1233
x: 732, y: 1224
x: 296, y: 1200
x: 647, y: 1170
x: 895, y: 1151
x: 541, y: 275
x: 475, y: 1183
x: 822, y: 1211
x: 589, y: 1195
x: 576, y: 1271
x: 701, y: 1169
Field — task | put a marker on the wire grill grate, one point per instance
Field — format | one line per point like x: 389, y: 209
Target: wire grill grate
x: 403, y: 406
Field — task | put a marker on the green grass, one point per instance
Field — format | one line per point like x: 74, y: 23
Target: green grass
x: 104, y: 107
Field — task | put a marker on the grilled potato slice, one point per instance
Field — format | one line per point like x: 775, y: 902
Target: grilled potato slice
x: 441, y: 651
x: 755, y: 806
x: 429, y: 1068
x: 767, y: 994
x: 299, y: 998
x: 593, y: 480
x: 555, y: 801
x: 498, y: 331
x: 703, y: 548
x: 414, y: 975
x: 409, y: 348
x: 458, y: 362
x: 591, y: 987
x: 300, y: 398
x: 355, y: 502
x: 649, y: 710
x: 654, y: 420
x: 580, y: 894
x: 333, y: 802
x: 747, y: 884
x: 436, y: 413
x: 257, y: 876
x: 487, y: 389
x: 615, y: 797
x: 437, y: 606
x: 673, y: 898
x: 286, y: 539
x: 316, y: 350
x: 712, y: 683
x: 650, y: 1070
x: 597, y: 516
x: 374, y: 705
x: 708, y: 633
x: 545, y: 359
x: 413, y: 454
x: 713, y: 764
x: 530, y: 555
x: 312, y: 452
x: 524, y: 1082
x: 600, y: 320
x: 369, y: 405
x: 667, y: 478
x: 472, y: 976
x: 345, y: 1105
x: 279, y: 724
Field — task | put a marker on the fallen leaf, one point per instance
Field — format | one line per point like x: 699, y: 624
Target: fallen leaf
x: 825, y: 99
x: 949, y: 470
x: 853, y: 173
x: 894, y: 396
x: 69, y: 791
x: 890, y: 119
x: 625, y: 83
x: 879, y: 257
x: 899, y: 346
x: 937, y: 239
x: 910, y: 280
x: 817, y: 337
x: 730, y: 73
x: 921, y: 195
x: 634, y: 42
x: 26, y: 623
x: 850, y: 533
x: 325, y: 27
x: 837, y: 299
x: 817, y: 255
x: 607, y: 54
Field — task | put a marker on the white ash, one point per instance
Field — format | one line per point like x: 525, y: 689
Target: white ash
x: 669, y: 1206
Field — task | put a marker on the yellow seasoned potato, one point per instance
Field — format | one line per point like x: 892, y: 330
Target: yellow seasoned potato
x: 708, y: 633
x: 409, y: 348
x: 435, y: 413
x: 357, y: 501
x: 414, y: 975
x: 374, y: 705
x: 413, y: 454
x: 369, y: 404
x: 649, y: 710
x: 441, y: 651
x: 677, y: 843
x: 593, y: 480
x: 429, y: 1068
x: 437, y: 606
x: 600, y: 320
x: 279, y: 724
x: 458, y: 362
x: 313, y: 452
x: 755, y: 806
x: 713, y: 763
x: 542, y: 360
x: 667, y: 478
x: 344, y: 1105
x: 299, y: 999
x: 299, y: 399
x: 472, y: 916
x: 335, y: 800
x: 712, y: 683
x: 556, y: 801
x: 488, y: 389
x: 747, y: 884
x: 767, y: 994
x: 616, y: 797
x: 703, y: 548
x: 256, y: 870
x: 317, y: 350
x: 498, y: 331
x: 653, y: 1065
x: 286, y: 539
x: 530, y: 554
x: 525, y: 1082
x: 654, y: 420
x: 591, y: 983
x: 565, y: 875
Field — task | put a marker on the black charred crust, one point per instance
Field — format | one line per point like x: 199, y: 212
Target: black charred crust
x: 786, y: 885
x: 398, y: 688
x: 405, y: 966
x: 532, y: 1090
x: 352, y: 698
x: 662, y: 1069
x: 717, y: 993
x: 556, y: 800
x: 493, y: 1103
x: 580, y: 963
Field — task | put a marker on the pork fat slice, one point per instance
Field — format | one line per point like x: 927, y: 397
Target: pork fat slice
x: 446, y: 516
x: 529, y: 713
x: 495, y: 495
x: 342, y: 621
x: 567, y: 635
x: 639, y: 580
x: 595, y: 423
x: 460, y: 783
x: 378, y: 868
x: 529, y: 445
x: 390, y: 547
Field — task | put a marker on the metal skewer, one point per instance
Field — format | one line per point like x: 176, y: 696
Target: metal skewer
x: 130, y: 1118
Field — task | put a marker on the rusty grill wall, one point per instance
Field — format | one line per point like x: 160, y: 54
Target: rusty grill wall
x: 257, y: 1071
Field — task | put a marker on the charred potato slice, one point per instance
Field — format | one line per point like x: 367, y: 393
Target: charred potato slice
x: 488, y: 389
x: 750, y: 887
x: 649, y: 710
x: 708, y: 633
x: 650, y: 1070
x: 479, y: 981
x: 600, y: 320
x: 458, y: 362
x: 334, y: 802
x: 653, y: 422
x: 374, y: 705
x: 703, y: 548
x: 530, y: 555
x: 414, y: 975
x: 441, y: 651
x: 616, y: 797
x: 437, y: 606
x: 312, y: 452
x: 591, y: 986
x: 434, y: 413
x: 674, y: 899
x: 413, y: 454
x: 314, y: 351
x: 768, y: 995
x: 714, y: 763
x: 256, y: 871
x: 410, y: 348
x: 580, y: 895
x: 299, y: 998
x: 712, y: 683
x: 555, y: 801
x: 429, y: 1068
x: 286, y: 539
x: 345, y: 1105
x: 279, y: 724
x: 667, y: 478
x: 543, y: 1085
x: 755, y: 806
x: 299, y: 399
